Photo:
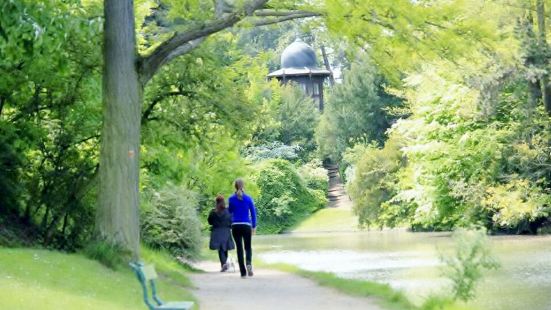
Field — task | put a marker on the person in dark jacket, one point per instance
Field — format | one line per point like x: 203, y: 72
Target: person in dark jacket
x: 243, y: 212
x: 220, y: 235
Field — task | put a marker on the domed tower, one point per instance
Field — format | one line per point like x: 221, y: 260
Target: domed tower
x: 299, y: 65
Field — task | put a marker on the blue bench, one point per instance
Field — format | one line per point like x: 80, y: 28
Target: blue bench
x: 146, y: 275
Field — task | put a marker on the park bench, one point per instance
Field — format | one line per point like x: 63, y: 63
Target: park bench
x: 146, y: 275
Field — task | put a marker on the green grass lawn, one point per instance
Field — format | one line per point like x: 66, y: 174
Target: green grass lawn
x: 42, y: 279
x: 329, y: 219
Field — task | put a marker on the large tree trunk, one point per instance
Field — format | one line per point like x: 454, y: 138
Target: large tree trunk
x: 118, y: 208
x: 542, y: 42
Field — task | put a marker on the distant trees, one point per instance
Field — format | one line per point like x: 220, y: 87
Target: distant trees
x: 359, y: 110
x: 473, y: 148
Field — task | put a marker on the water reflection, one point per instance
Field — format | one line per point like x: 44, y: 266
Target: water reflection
x: 410, y: 261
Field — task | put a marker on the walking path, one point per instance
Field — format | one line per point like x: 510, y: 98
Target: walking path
x: 268, y: 290
x: 275, y: 290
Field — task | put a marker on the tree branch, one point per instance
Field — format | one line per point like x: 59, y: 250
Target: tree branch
x: 147, y: 113
x: 172, y: 47
x: 273, y: 13
x: 283, y: 18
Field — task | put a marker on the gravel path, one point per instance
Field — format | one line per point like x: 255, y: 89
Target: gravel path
x: 267, y: 290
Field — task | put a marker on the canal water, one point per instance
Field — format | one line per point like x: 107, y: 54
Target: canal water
x: 411, y: 262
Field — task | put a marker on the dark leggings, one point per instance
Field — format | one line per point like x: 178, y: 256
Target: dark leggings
x: 242, y: 234
x: 223, y: 256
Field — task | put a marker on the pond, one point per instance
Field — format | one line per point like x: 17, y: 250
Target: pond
x: 410, y: 262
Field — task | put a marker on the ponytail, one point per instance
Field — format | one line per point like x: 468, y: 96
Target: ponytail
x: 239, y: 188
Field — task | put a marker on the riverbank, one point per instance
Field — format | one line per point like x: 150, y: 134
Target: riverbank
x: 42, y: 279
x: 410, y: 262
x: 329, y: 220
x: 383, y: 294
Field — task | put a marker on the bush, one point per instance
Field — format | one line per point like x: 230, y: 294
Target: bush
x: 272, y: 150
x: 372, y: 182
x: 284, y: 199
x: 314, y: 175
x: 170, y: 222
x: 472, y: 255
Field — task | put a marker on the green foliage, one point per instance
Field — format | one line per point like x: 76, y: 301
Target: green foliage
x: 272, y: 150
x: 357, y: 111
x: 475, y: 150
x: 283, y: 197
x: 438, y: 303
x: 401, y: 35
x: 10, y: 169
x: 110, y: 255
x: 314, y: 175
x: 460, y: 163
x: 372, y: 182
x: 472, y: 255
x: 288, y: 116
x: 171, y: 222
x: 298, y: 117
x: 49, y: 116
x: 201, y: 113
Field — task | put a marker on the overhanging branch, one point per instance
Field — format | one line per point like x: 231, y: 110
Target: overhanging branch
x: 273, y: 13
x: 282, y: 18
x: 183, y: 42
x: 166, y: 51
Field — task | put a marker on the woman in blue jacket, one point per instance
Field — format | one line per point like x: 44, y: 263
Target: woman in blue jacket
x: 241, y: 206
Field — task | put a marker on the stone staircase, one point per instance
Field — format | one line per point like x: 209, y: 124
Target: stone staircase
x: 336, y: 194
x: 338, y: 216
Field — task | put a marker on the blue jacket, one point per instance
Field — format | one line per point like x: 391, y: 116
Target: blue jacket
x: 243, y: 211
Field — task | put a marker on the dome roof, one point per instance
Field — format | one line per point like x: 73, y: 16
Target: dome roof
x: 298, y: 55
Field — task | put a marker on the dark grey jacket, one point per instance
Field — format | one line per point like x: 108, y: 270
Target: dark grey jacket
x: 220, y: 235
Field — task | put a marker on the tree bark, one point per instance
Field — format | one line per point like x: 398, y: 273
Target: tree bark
x: 118, y: 206
x: 327, y: 65
x: 542, y: 43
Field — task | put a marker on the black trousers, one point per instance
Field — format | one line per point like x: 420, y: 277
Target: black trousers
x: 223, y: 256
x: 242, y: 234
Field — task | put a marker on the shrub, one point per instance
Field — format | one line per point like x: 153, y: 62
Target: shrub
x: 284, y: 199
x: 372, y: 182
x: 472, y: 255
x: 314, y: 175
x: 272, y: 150
x: 170, y: 222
